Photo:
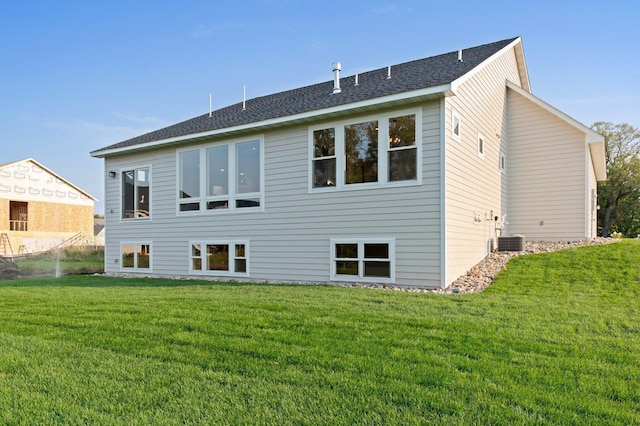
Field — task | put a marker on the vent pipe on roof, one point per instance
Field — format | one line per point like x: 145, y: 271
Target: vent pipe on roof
x: 460, y: 55
x: 244, y: 97
x: 389, y: 72
x: 336, y: 77
x: 356, y: 83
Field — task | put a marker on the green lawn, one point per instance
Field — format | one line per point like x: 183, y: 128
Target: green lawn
x: 555, y: 340
x: 71, y: 260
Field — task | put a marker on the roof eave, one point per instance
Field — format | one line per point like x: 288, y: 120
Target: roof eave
x: 366, y: 105
x: 522, y: 68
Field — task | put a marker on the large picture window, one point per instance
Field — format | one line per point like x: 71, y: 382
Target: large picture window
x: 224, y: 177
x: 369, y: 260
x: 136, y: 185
x: 219, y: 258
x: 379, y: 150
x: 361, y: 152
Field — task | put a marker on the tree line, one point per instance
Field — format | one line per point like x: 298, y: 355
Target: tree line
x: 619, y: 195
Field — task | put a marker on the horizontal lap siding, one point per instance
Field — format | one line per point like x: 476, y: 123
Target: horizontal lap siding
x: 547, y: 174
x: 475, y: 186
x: 289, y: 241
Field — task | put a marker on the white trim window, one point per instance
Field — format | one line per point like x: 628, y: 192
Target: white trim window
x: 136, y: 193
x: 369, y: 152
x: 222, y: 177
x: 455, y: 125
x: 481, y: 145
x: 136, y: 256
x: 224, y: 258
x: 363, y: 260
x: 502, y: 165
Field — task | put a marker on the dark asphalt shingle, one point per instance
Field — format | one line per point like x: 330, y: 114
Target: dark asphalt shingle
x: 405, y: 77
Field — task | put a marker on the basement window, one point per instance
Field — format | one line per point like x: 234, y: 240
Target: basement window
x: 228, y: 258
x: 18, y: 216
x: 366, y: 260
x: 135, y: 256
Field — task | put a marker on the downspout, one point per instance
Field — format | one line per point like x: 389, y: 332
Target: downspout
x: 443, y: 199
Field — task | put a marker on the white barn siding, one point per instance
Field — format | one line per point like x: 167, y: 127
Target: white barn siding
x: 290, y: 239
x: 549, y: 175
x: 476, y: 188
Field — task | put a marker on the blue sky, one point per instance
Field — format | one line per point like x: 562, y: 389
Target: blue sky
x: 76, y: 76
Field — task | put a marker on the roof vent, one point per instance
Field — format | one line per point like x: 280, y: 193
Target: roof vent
x: 460, y: 55
x: 336, y: 77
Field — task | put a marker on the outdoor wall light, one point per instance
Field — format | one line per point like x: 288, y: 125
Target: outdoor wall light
x: 112, y: 174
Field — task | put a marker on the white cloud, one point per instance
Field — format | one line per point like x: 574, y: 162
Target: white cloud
x: 384, y: 10
x: 138, y: 119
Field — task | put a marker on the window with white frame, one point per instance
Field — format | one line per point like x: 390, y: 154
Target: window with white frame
x: 222, y: 177
x: 481, y: 143
x: 219, y: 257
x: 324, y: 158
x: 403, y: 157
x: 371, y: 260
x: 455, y: 125
x: 136, y: 191
x: 377, y: 150
x: 135, y: 256
x: 503, y: 162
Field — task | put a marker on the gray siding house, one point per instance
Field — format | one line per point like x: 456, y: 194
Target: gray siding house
x: 403, y: 175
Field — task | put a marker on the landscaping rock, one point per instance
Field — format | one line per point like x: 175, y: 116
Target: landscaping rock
x: 482, y: 274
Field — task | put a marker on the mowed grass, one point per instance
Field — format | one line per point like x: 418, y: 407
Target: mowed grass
x: 555, y: 340
x: 66, y: 261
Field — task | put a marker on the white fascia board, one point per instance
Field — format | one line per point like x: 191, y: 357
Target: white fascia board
x: 443, y: 89
x: 594, y: 139
x: 522, y: 67
x: 456, y: 83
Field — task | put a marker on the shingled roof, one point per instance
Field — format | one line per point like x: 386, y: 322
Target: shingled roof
x: 406, y: 77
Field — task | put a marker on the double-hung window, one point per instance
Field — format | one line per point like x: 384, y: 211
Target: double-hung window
x: 324, y: 157
x: 222, y: 177
x: 371, y: 260
x: 136, y: 185
x: 219, y: 258
x: 374, y: 151
x: 402, y: 148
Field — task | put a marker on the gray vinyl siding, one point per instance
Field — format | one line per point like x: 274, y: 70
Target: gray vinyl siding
x: 475, y: 187
x: 289, y: 240
x: 548, y: 174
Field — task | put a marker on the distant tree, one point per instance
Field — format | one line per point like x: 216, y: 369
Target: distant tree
x: 619, y: 196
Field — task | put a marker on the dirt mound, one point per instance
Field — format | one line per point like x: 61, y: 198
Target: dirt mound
x: 8, y: 269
